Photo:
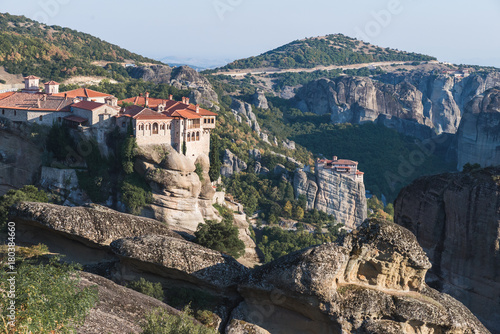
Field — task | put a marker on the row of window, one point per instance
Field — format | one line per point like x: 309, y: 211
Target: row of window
x: 155, y: 127
x: 193, y: 136
x: 209, y: 120
x: 3, y: 112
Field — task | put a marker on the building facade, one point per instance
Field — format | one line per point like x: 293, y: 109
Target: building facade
x: 345, y: 167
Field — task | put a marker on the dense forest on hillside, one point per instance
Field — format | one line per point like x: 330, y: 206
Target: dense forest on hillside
x: 329, y: 50
x: 29, y: 47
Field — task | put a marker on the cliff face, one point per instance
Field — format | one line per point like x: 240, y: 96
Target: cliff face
x: 432, y: 101
x: 478, y: 136
x: 456, y: 220
x: 180, y: 198
x: 334, y: 194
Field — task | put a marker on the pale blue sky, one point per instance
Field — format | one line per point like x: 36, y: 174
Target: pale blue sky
x: 458, y: 31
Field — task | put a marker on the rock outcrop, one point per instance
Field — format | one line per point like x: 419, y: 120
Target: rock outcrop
x: 434, y: 101
x: 240, y: 109
x: 20, y: 160
x: 83, y: 234
x: 335, y: 194
x: 478, y: 136
x: 259, y: 100
x: 180, y: 260
x: 231, y: 164
x: 180, y: 198
x: 183, y: 77
x: 372, y: 282
x: 120, y: 310
x: 456, y: 220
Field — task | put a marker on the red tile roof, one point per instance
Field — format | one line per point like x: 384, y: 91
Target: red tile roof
x: 82, y: 92
x: 52, y: 82
x: 140, y: 113
x: 187, y: 114
x: 88, y: 105
x: 170, y: 106
x: 141, y: 101
x: 4, y: 95
x: 31, y: 77
x: 39, y: 101
x: 343, y: 162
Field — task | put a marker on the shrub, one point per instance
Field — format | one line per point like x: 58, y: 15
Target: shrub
x: 136, y: 193
x: 222, y: 237
x: 161, y: 322
x: 25, y: 194
x: 151, y: 289
x: 48, y: 299
x: 199, y: 171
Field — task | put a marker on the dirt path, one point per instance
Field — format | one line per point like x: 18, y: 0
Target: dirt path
x: 240, y: 73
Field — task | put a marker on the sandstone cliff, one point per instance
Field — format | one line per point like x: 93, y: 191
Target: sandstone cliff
x: 456, y: 220
x: 478, y: 136
x: 231, y: 164
x: 180, y: 198
x: 243, y: 113
x: 373, y: 282
x: 334, y: 194
x: 431, y: 101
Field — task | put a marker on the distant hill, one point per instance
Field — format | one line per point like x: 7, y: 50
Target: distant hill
x: 326, y: 50
x: 30, y: 47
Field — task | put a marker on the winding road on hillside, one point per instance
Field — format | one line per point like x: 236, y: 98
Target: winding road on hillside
x: 272, y: 70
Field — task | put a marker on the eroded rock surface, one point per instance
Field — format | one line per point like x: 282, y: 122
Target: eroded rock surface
x: 372, y: 282
x: 180, y: 198
x: 433, y: 101
x: 456, y: 220
x: 334, y: 194
x: 479, y: 132
x: 182, y: 260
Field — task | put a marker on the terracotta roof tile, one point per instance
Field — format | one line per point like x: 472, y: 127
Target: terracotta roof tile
x: 88, y: 105
x: 82, y: 92
x: 26, y: 101
x: 31, y: 77
x: 52, y: 82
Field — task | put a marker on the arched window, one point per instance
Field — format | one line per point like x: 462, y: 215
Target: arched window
x: 155, y: 128
x: 3, y: 111
x: 15, y: 112
x: 141, y: 127
x: 40, y: 118
x: 189, y: 137
x: 213, y: 120
x: 197, y: 136
x: 162, y: 126
x: 148, y: 127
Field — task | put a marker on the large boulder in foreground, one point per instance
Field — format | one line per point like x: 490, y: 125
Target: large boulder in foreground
x: 372, y: 282
x: 456, y: 218
x: 83, y: 234
x: 180, y: 260
x: 120, y: 310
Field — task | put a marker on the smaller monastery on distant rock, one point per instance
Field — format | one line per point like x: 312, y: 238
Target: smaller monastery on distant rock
x: 345, y: 167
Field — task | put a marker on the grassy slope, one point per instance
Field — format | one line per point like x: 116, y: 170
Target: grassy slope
x: 29, y: 47
x: 328, y: 50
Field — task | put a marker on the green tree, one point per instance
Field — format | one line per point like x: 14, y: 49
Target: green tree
x: 151, y: 289
x: 222, y: 237
x: 288, y: 209
x: 199, y: 171
x: 59, y: 142
x: 298, y: 213
x: 128, y: 154
x: 25, y: 194
x: 215, y: 163
x: 468, y: 167
x: 184, y: 147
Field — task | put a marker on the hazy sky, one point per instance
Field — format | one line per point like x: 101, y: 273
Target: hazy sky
x: 458, y: 31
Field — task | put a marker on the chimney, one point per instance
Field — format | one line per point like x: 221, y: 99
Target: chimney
x: 187, y: 100
x: 147, y: 95
x: 183, y: 100
x: 38, y: 103
x: 65, y: 96
x: 197, y: 108
x: 170, y: 97
x: 335, y: 158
